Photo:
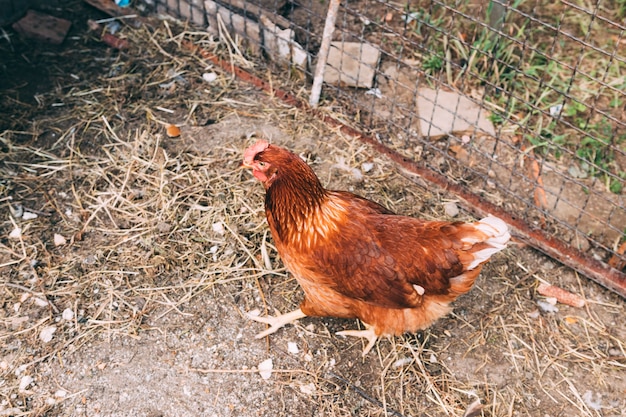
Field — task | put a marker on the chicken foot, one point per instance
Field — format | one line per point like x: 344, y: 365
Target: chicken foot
x: 368, y: 334
x: 276, y: 322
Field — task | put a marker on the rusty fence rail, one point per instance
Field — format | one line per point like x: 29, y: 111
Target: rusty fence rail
x: 521, y: 104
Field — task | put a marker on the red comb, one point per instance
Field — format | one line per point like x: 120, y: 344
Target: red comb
x: 249, y: 154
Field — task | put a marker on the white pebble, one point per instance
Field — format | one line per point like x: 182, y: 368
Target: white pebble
x: 15, y: 233
x: 451, y: 209
x: 265, y: 368
x: 209, y: 77
x: 401, y: 362
x: 547, y: 307
x: 59, y: 240
x: 29, y: 216
x: 433, y: 358
x: 367, y: 166
x: 555, y: 110
x: 307, y: 388
x: 218, y: 228
x: 60, y: 393
x: 47, y: 333
x: 25, y: 382
x: 68, y: 314
x: 292, y: 347
x: 533, y: 314
x: 40, y: 302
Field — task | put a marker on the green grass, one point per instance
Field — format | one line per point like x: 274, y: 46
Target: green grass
x: 534, y: 69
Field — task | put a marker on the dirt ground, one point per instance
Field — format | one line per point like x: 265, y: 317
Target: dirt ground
x: 124, y: 290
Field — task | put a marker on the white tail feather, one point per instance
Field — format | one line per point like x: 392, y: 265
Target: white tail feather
x: 497, y: 237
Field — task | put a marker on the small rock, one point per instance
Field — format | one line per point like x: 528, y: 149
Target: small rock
x: 218, y: 228
x: 68, y: 314
x: 15, y: 233
x: 59, y: 240
x: 209, y: 77
x: 367, y: 166
x: 60, y: 393
x: 292, y: 347
x: 576, y: 172
x: 533, y: 314
x: 265, y: 368
x: 40, y: 302
x: 555, y: 110
x: 547, y: 307
x: 46, y: 333
x: 307, y: 388
x: 164, y: 227
x: 451, y: 209
x: 89, y: 260
x: 374, y: 92
x: 401, y: 362
x: 25, y: 382
x: 29, y: 216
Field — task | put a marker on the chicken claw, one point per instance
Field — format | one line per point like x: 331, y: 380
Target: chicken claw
x: 276, y: 322
x: 368, y: 334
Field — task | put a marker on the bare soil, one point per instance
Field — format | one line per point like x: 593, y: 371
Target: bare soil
x: 166, y: 247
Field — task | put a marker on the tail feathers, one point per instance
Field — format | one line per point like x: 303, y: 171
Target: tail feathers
x: 491, y: 237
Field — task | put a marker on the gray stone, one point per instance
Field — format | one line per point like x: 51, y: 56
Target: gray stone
x: 444, y: 112
x: 351, y: 64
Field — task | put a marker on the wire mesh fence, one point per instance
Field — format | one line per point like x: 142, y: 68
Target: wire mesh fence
x: 522, y: 103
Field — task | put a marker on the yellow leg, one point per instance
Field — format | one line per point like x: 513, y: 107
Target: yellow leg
x: 368, y: 334
x: 276, y: 322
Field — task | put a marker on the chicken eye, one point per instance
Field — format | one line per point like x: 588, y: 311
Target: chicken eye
x: 262, y: 164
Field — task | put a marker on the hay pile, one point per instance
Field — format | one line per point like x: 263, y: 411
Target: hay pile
x: 123, y: 290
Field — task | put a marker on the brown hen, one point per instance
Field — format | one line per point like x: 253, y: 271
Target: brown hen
x: 355, y: 259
